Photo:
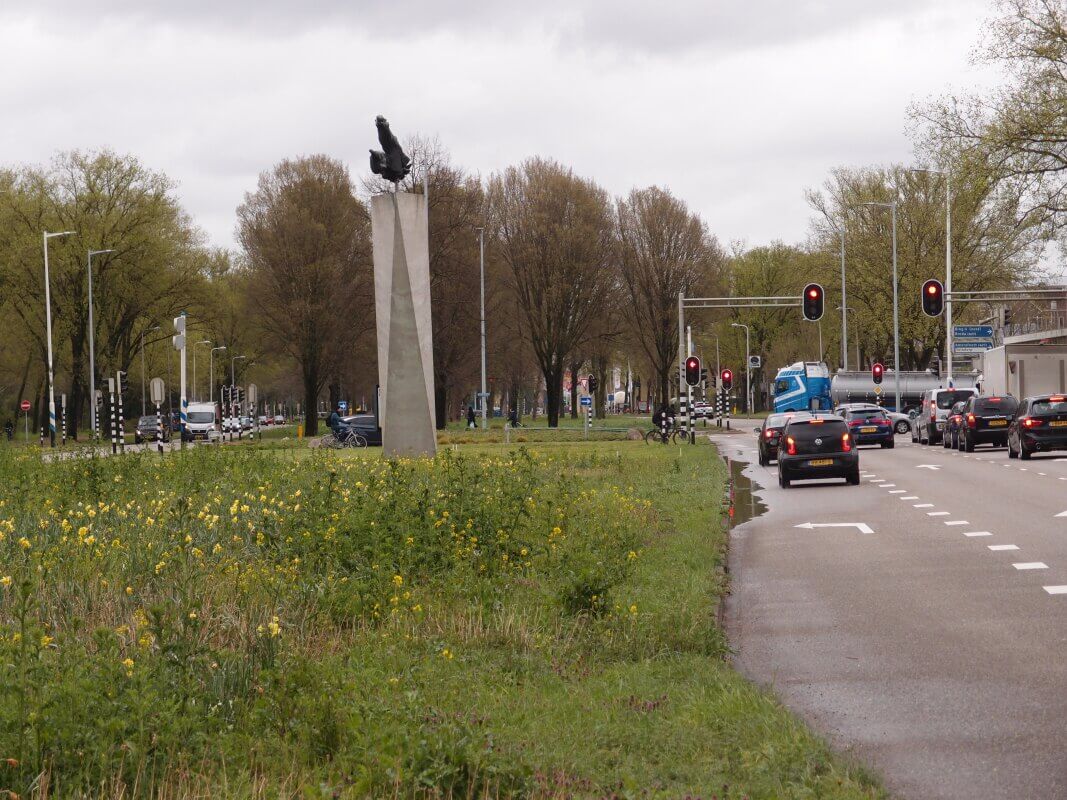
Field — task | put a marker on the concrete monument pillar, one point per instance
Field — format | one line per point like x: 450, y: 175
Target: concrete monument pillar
x: 400, y: 234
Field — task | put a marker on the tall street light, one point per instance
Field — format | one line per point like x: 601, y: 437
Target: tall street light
x: 948, y: 267
x: 211, y: 365
x: 844, y: 306
x: 748, y: 369
x: 48, y: 329
x: 892, y: 206
x: 233, y: 373
x: 481, y: 261
x: 92, y: 347
x: 144, y: 402
x: 195, y: 395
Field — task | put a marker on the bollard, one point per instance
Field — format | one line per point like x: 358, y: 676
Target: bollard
x: 159, y: 429
x: 114, y: 431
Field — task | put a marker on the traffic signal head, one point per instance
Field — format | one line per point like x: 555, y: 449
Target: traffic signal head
x: 813, y: 302
x: 692, y: 370
x: 933, y: 298
x: 592, y: 384
x: 727, y: 379
x: 877, y: 371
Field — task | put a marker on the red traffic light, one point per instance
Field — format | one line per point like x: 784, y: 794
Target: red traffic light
x: 692, y: 370
x: 727, y: 379
x: 933, y: 298
x: 877, y: 371
x: 813, y: 302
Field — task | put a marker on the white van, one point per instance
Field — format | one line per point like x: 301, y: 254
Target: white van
x: 930, y: 423
x: 201, y: 422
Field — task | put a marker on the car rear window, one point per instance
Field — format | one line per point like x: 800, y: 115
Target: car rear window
x: 947, y: 398
x: 867, y: 413
x: 1053, y: 405
x: 810, y: 431
x: 995, y: 405
x: 776, y: 421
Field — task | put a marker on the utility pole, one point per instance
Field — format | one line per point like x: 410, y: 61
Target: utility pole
x: 144, y: 402
x: 481, y: 260
x: 48, y: 325
x: 844, y: 305
x: 92, y: 346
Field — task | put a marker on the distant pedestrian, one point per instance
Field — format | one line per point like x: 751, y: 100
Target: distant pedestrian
x: 9, y: 429
x: 470, y: 417
x: 513, y: 418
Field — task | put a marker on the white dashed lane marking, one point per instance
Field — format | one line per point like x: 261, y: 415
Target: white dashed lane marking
x: 1030, y: 565
x: 924, y: 505
x: 956, y: 522
x: 898, y: 491
x: 978, y: 533
x: 937, y: 513
x: 998, y: 547
x: 1055, y: 589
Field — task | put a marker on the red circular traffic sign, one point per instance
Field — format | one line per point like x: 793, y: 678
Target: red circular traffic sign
x: 25, y: 405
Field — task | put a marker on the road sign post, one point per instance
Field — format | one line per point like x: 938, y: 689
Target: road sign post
x: 253, y: 411
x: 25, y: 407
x: 179, y: 345
x: 157, y: 389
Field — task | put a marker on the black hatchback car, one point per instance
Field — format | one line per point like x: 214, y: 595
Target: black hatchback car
x: 1040, y: 425
x: 817, y: 447
x: 148, y: 429
x: 985, y: 420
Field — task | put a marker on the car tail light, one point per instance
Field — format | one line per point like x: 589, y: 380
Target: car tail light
x: 970, y: 421
x: 769, y: 434
x: 933, y: 416
x: 790, y: 446
x: 853, y: 423
x: 1030, y: 422
x: 846, y: 442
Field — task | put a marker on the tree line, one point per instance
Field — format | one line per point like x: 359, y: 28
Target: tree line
x: 576, y: 281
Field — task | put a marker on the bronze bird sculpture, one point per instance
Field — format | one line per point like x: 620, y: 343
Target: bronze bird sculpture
x: 390, y: 162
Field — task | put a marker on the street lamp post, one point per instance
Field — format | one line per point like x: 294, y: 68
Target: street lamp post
x: 844, y: 307
x: 892, y: 206
x: 233, y: 372
x: 92, y: 333
x: 748, y: 369
x: 211, y: 365
x: 196, y: 397
x: 144, y: 403
x: 481, y: 260
x: 948, y: 267
x: 233, y: 383
x: 48, y: 329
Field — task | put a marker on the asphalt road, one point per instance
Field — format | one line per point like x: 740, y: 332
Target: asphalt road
x: 933, y: 648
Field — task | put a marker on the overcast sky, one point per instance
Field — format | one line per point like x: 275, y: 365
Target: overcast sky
x: 737, y: 107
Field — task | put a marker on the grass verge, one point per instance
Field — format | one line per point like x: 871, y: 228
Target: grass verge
x: 496, y: 623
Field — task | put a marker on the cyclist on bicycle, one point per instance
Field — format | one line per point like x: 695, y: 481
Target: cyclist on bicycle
x: 335, y: 423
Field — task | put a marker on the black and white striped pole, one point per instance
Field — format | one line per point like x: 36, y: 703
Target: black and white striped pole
x: 114, y: 439
x: 120, y: 390
x: 253, y: 398
x: 63, y: 405
x: 157, y: 388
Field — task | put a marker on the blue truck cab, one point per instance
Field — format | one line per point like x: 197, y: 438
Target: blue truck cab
x: 804, y: 386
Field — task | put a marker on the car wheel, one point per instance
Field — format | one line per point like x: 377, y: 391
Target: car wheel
x: 783, y: 481
x: 968, y: 445
x: 945, y: 441
x: 854, y: 477
x: 1024, y: 454
x: 762, y: 459
x: 889, y: 445
x: 902, y: 426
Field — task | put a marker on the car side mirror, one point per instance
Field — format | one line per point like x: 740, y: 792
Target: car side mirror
x: 757, y: 431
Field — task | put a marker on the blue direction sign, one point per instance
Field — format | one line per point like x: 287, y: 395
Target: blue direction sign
x: 343, y: 405
x: 972, y: 331
x: 974, y: 346
x: 587, y: 401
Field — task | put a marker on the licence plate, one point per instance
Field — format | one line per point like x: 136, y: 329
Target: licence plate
x: 868, y: 430
x: 1058, y: 423
x: 824, y: 462
x: 997, y: 423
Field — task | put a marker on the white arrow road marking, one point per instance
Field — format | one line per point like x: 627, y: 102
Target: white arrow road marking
x: 1030, y: 565
x: 928, y: 466
x: 862, y: 526
x: 998, y: 547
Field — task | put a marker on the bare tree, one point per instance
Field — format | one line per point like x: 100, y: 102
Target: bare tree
x: 664, y: 249
x: 306, y: 237
x: 554, y: 230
